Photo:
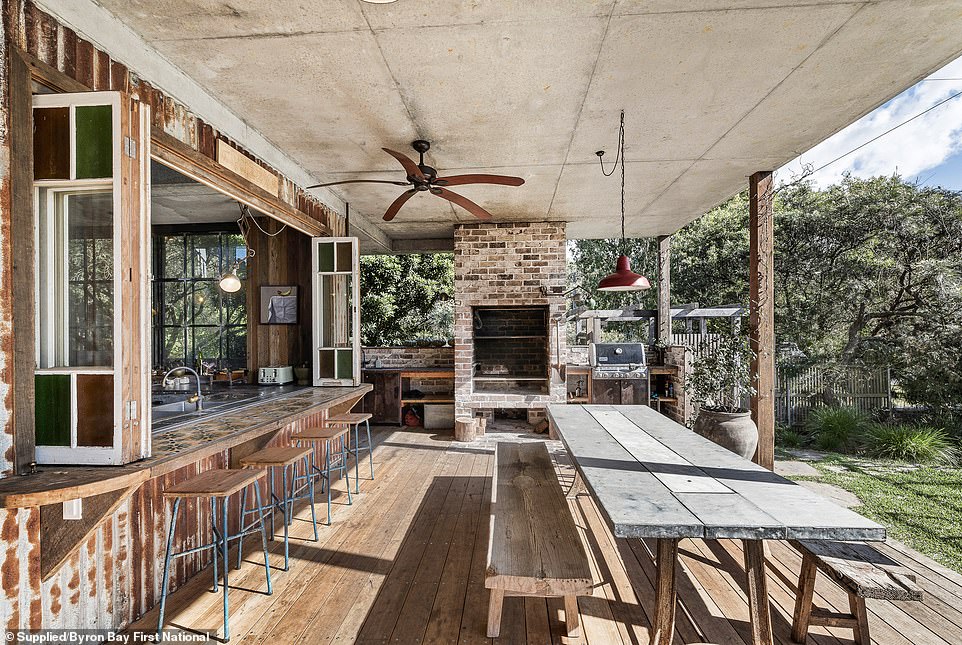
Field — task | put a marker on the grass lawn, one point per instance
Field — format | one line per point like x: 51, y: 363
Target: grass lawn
x: 922, y: 507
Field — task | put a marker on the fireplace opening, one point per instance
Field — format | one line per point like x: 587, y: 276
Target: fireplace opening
x: 510, y: 350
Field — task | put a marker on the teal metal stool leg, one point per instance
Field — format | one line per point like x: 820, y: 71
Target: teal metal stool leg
x: 286, y: 515
x: 267, y: 562
x: 167, y: 557
x: 357, y: 458
x: 310, y: 483
x: 224, y: 533
x: 327, y: 476
x: 213, y: 529
x: 344, y: 467
x: 370, y: 447
x: 243, y: 519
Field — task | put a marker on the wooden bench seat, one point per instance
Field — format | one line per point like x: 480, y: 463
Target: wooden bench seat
x: 534, y: 547
x: 861, y: 571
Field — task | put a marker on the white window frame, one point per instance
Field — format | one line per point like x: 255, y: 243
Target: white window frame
x: 74, y: 454
x: 318, y: 317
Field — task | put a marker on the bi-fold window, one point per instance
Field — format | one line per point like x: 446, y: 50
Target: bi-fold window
x: 336, y: 302
x: 91, y: 250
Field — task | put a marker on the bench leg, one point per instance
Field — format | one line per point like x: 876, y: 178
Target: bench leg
x: 803, y: 599
x: 577, y: 486
x: 572, y: 621
x: 666, y: 563
x: 857, y: 606
x: 494, y: 612
x: 758, y: 592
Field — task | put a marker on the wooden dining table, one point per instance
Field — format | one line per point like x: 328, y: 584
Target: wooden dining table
x: 654, y: 478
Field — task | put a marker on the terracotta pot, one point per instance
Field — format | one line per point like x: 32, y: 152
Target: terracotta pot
x: 732, y: 430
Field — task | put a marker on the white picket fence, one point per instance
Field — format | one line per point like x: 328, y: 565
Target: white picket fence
x: 796, y: 394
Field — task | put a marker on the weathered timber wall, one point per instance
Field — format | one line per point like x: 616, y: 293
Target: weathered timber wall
x: 114, y: 577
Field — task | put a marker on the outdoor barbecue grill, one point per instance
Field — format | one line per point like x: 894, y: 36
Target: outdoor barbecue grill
x: 618, y: 361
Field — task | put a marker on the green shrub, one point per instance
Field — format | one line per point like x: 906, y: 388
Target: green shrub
x: 789, y: 437
x: 915, y: 443
x: 836, y: 429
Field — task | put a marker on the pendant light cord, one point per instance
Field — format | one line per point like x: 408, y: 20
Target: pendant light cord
x: 619, y: 157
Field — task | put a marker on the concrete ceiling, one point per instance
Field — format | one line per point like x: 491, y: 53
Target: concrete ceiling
x: 712, y: 92
x: 179, y: 200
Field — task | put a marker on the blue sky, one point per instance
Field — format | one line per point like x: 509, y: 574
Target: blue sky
x: 927, y: 150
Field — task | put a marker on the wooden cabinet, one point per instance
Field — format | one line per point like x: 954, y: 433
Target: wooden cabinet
x: 384, y: 401
x: 619, y: 391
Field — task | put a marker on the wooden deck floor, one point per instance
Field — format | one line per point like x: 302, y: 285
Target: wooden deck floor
x: 405, y: 564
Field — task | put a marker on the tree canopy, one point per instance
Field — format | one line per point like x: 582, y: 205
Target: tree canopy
x: 406, y: 297
x: 868, y: 273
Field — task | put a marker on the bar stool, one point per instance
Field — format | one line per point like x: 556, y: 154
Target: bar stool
x: 282, y: 457
x: 353, y: 420
x: 327, y: 437
x: 216, y: 484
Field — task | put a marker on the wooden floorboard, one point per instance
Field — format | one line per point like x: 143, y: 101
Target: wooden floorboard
x: 405, y: 564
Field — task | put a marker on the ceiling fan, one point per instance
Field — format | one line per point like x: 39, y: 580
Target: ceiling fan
x: 425, y: 178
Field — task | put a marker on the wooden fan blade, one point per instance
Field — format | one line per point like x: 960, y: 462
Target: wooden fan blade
x: 398, y: 203
x: 360, y: 181
x: 409, y: 166
x: 463, y: 202
x: 458, y: 180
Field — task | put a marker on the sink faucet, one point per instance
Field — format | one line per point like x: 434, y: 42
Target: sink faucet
x: 198, y: 398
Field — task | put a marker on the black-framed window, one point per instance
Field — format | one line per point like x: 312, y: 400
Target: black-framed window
x: 194, y: 320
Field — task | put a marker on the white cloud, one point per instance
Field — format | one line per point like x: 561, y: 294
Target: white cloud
x: 910, y: 150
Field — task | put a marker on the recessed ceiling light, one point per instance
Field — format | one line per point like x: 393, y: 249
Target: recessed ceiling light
x: 379, y: 1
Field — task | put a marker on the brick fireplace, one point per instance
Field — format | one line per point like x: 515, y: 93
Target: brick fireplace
x: 508, y: 284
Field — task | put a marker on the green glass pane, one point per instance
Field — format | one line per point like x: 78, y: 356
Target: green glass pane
x: 345, y: 363
x: 325, y: 257
x: 94, y: 141
x: 52, y: 409
x: 51, y: 143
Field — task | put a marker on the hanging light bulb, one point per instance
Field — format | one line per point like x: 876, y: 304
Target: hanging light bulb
x: 623, y: 279
x: 229, y: 282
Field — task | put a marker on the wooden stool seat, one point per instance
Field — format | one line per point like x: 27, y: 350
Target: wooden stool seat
x: 351, y: 418
x: 276, y: 456
x: 320, y: 434
x: 219, y: 482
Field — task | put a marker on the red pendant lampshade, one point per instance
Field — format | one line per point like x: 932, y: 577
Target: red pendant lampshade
x: 624, y: 279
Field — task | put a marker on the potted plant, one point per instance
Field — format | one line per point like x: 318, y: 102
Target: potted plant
x: 661, y: 348
x: 716, y: 384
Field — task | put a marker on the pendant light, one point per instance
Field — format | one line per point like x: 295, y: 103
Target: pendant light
x: 623, y: 279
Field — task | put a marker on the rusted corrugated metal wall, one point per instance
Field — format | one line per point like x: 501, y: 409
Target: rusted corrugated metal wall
x: 114, y: 577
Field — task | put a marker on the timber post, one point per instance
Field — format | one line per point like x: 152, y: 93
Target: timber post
x: 761, y: 320
x: 664, y: 288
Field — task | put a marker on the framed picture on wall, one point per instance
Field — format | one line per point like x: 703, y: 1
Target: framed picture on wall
x: 279, y: 305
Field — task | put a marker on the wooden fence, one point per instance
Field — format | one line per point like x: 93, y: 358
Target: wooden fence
x: 796, y: 394
x: 699, y: 344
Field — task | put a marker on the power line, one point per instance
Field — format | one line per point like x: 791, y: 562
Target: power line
x: 874, y: 139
